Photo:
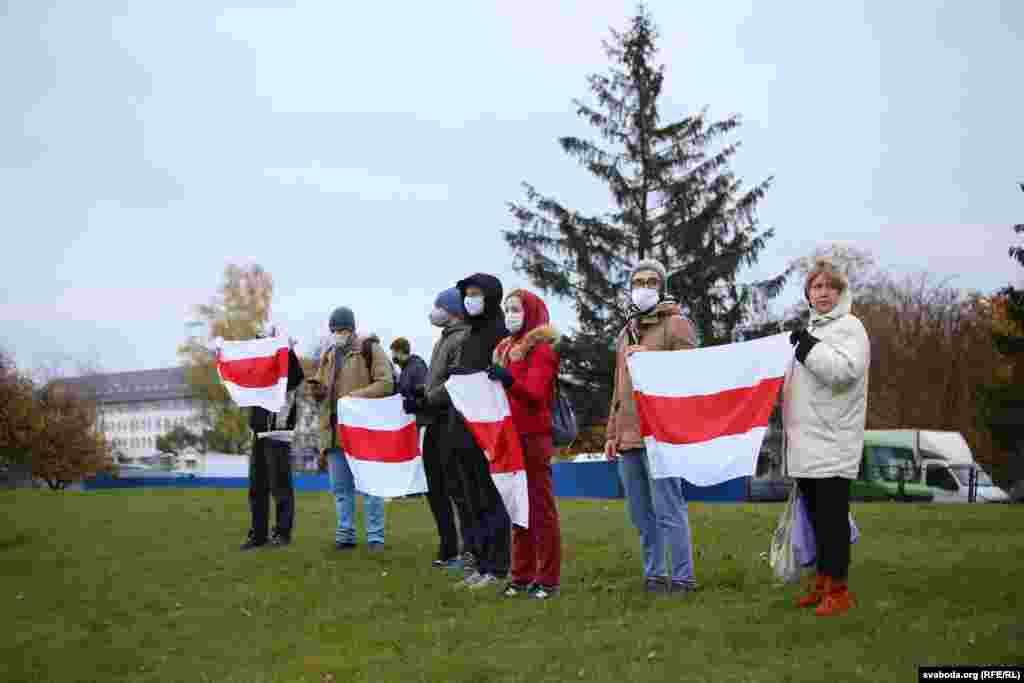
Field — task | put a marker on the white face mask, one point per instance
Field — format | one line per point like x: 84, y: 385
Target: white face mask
x: 439, y: 317
x: 474, y: 305
x: 514, y: 322
x: 645, y: 298
x: 341, y: 337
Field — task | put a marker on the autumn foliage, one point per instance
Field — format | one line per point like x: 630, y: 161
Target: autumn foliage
x: 238, y: 311
x: 53, y: 428
x: 20, y: 420
x: 931, y: 351
x: 68, y: 447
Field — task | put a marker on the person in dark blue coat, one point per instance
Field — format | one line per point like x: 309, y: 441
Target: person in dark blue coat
x: 413, y: 370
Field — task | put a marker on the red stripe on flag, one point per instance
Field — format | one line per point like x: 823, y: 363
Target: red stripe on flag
x: 501, y: 441
x: 379, y: 445
x: 694, y: 419
x: 255, y: 373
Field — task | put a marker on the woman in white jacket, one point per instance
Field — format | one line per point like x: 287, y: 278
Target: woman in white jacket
x: 824, y: 410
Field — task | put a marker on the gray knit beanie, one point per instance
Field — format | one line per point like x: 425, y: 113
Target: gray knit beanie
x: 651, y: 264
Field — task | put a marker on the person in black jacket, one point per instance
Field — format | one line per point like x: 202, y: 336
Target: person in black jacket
x: 270, y: 467
x: 487, y: 526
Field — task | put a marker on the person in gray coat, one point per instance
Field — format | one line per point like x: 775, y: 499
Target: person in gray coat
x: 824, y: 413
x: 443, y: 477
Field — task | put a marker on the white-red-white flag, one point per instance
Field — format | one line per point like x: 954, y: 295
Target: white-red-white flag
x: 382, y: 446
x: 704, y: 412
x: 484, y: 405
x: 255, y: 372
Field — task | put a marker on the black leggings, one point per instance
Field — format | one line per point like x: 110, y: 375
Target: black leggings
x: 828, y: 505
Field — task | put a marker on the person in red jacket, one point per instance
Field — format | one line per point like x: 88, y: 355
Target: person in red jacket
x: 526, y: 363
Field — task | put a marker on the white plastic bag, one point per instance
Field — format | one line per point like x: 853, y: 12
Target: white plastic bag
x: 782, y: 555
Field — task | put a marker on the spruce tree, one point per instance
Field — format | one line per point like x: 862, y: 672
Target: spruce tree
x: 674, y: 198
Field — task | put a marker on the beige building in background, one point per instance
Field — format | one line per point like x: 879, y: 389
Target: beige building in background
x: 134, y: 408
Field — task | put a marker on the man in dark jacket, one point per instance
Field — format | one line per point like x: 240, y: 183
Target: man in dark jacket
x: 270, y: 466
x: 443, y: 479
x: 413, y: 370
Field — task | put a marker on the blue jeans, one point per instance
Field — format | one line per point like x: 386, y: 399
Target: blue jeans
x: 343, y: 486
x: 659, y: 512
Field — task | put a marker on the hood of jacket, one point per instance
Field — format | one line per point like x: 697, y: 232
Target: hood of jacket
x: 535, y: 312
x: 843, y: 307
x: 516, y: 349
x: 493, y: 295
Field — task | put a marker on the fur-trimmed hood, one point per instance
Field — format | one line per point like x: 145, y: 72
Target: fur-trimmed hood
x: 536, y: 329
x: 517, y: 349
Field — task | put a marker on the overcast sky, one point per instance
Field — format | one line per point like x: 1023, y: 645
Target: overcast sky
x: 363, y: 152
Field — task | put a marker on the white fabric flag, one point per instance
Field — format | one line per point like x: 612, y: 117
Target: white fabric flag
x: 382, y: 446
x: 255, y: 372
x: 484, y: 405
x: 704, y: 412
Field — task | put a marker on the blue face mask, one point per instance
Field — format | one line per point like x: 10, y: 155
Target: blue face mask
x: 474, y: 305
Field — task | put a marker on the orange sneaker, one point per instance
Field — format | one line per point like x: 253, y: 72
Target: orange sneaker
x: 838, y: 599
x: 814, y: 595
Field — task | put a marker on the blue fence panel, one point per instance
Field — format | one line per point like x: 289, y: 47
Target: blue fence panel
x: 571, y: 480
x: 311, y: 482
x: 586, y: 480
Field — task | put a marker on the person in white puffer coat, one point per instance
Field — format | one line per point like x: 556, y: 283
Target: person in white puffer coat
x: 824, y: 412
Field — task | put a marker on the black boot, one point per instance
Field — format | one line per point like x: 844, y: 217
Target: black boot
x: 252, y: 541
x: 278, y: 540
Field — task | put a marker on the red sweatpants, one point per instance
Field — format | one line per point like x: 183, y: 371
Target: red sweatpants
x: 537, y: 551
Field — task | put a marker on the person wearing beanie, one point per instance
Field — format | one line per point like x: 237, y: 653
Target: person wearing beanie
x: 824, y: 408
x: 526, y: 363
x: 444, y: 480
x: 450, y: 302
x: 657, y: 507
x: 349, y: 366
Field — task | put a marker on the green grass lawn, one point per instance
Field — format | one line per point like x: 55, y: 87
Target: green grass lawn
x: 138, y: 585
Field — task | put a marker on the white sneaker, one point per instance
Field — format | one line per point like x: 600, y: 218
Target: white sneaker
x: 484, y: 581
x: 470, y: 580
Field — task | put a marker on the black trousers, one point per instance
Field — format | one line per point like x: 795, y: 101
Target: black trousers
x: 828, y: 505
x: 455, y: 485
x: 439, y: 495
x: 485, y: 525
x: 270, y: 471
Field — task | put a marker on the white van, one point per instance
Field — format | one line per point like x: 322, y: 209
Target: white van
x: 946, y: 466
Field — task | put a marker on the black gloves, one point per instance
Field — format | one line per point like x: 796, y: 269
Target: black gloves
x: 411, y: 405
x: 496, y: 372
x: 804, y: 342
